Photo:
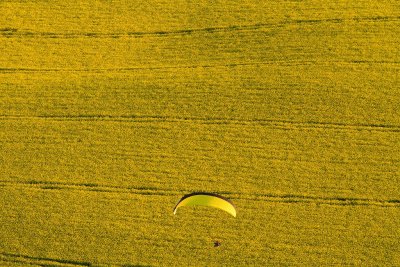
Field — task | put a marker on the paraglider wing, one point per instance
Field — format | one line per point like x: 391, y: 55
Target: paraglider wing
x: 207, y: 199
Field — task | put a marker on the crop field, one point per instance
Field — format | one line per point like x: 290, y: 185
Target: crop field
x: 111, y: 111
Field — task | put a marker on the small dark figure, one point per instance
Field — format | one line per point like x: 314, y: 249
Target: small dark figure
x: 217, y: 243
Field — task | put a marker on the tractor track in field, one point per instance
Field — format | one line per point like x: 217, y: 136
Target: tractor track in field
x: 5, y: 70
x: 26, y: 33
x: 274, y: 123
x: 264, y: 197
x: 45, y: 261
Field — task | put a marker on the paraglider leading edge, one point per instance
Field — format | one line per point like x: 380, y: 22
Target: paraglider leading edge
x: 206, y: 194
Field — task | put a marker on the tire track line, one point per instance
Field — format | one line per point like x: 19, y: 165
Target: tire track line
x: 286, y: 124
x: 225, y: 65
x: 130, y: 69
x: 40, y: 261
x: 46, y: 185
x: 331, y: 201
x: 15, y: 33
x: 271, y: 198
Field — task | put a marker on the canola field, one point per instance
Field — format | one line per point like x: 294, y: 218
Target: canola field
x: 111, y: 111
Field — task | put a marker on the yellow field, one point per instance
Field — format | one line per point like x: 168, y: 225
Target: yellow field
x: 110, y: 111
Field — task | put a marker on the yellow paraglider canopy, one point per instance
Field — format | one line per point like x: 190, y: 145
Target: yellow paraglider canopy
x: 207, y: 199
